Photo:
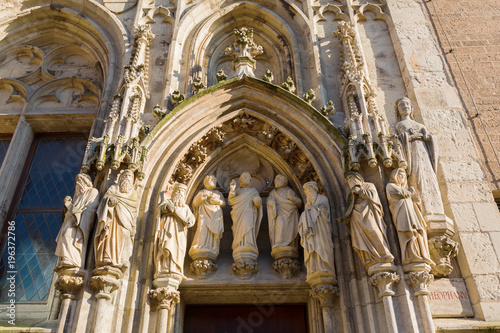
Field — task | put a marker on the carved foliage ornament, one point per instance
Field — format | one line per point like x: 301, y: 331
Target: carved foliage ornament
x: 267, y: 134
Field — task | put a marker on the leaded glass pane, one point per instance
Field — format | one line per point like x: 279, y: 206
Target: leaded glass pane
x: 50, y: 179
x: 4, y: 145
x: 38, y: 216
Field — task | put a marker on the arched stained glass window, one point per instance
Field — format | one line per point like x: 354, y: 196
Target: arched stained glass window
x: 53, y: 164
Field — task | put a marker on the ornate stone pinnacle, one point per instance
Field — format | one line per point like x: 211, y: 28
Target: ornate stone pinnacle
x: 419, y: 281
x: 202, y: 267
x: 164, y: 297
x: 244, y: 50
x: 383, y: 282
x: 442, y: 250
x: 69, y: 285
x: 325, y: 294
x: 104, y: 286
x: 286, y: 267
x: 143, y: 32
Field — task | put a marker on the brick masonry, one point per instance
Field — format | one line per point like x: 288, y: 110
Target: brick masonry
x: 474, y: 33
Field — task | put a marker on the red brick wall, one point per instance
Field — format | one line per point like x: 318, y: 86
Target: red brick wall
x: 473, y: 28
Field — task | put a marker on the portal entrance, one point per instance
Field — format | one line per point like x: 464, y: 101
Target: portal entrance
x: 260, y: 318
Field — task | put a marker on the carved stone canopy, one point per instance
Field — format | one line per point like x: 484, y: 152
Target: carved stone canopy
x: 244, y: 124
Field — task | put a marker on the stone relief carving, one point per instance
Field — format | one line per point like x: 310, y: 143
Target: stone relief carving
x: 78, y: 221
x: 283, y: 219
x: 171, y: 238
x: 315, y: 231
x: 208, y: 205
x: 410, y: 224
x: 442, y: 249
x: 268, y: 134
x: 116, y: 222
x: 366, y: 225
x: 246, y: 213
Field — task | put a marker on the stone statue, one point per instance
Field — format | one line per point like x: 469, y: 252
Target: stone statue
x: 315, y: 231
x: 78, y: 221
x: 404, y: 203
x: 208, y: 205
x: 171, y: 238
x: 421, y: 154
x: 116, y: 220
x: 368, y: 231
x: 246, y: 214
x: 283, y: 218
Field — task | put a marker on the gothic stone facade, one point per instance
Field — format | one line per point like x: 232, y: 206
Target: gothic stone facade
x: 254, y: 153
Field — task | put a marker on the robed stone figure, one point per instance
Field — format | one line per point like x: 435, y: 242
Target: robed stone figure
x: 368, y: 231
x: 315, y: 231
x: 421, y: 153
x: 116, y: 221
x: 410, y: 224
x: 208, y: 205
x: 79, y: 215
x: 171, y: 237
x: 246, y: 214
x: 283, y: 214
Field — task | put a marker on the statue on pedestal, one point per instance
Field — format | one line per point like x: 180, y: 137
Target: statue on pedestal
x: 79, y: 214
x: 404, y: 203
x: 421, y: 154
x: 171, y: 238
x: 283, y: 218
x: 116, y: 220
x: 208, y: 205
x: 368, y: 231
x: 246, y: 214
x: 315, y: 231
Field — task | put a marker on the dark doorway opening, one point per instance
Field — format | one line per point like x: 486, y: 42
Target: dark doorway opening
x: 258, y: 318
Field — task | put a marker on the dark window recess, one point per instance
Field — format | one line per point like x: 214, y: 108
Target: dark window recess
x: 53, y: 166
x: 4, y: 145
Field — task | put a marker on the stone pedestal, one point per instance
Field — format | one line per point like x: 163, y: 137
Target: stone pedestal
x: 69, y: 283
x: 419, y: 281
x: 105, y: 281
x: 245, y: 261
x: 286, y: 261
x: 203, y: 262
x: 383, y: 281
x: 325, y: 294
x: 164, y: 297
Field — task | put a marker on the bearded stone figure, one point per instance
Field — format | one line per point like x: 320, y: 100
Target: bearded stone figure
x: 283, y: 218
x: 421, y: 154
x: 246, y: 214
x: 116, y: 220
x: 315, y: 231
x: 406, y: 212
x: 368, y: 231
x: 171, y: 237
x: 208, y: 205
x: 78, y: 221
